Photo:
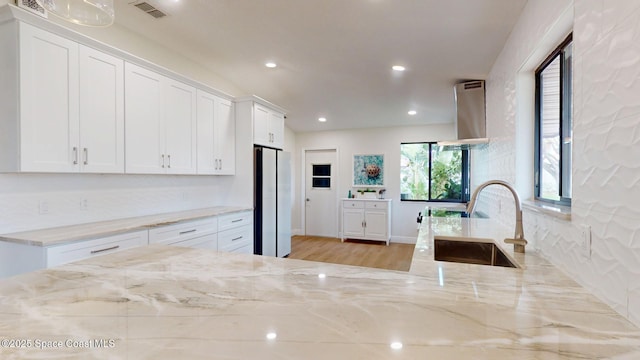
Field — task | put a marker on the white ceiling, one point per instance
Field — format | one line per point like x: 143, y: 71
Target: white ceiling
x: 334, y: 56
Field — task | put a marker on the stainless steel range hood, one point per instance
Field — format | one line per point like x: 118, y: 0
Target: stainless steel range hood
x: 470, y: 116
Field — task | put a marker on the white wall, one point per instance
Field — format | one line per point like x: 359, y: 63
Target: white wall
x: 115, y: 196
x: 606, y: 141
x: 370, y: 141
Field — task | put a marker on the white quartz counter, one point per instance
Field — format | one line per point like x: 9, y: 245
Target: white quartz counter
x: 161, y: 302
x: 67, y: 234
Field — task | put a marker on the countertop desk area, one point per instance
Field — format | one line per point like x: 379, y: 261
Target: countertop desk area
x: 161, y: 302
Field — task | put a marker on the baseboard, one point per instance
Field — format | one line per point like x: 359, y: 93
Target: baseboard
x: 404, y: 239
x: 394, y: 239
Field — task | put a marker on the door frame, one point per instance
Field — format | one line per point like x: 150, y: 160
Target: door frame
x: 303, y: 186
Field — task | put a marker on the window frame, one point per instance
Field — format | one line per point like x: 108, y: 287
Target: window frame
x: 464, y: 176
x: 565, y: 120
x: 327, y: 177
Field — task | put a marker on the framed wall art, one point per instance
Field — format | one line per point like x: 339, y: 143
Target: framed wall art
x: 368, y: 170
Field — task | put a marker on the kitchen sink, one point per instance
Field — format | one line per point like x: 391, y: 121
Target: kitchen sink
x: 470, y: 251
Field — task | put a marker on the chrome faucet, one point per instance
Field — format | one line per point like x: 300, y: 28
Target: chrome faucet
x: 518, y: 240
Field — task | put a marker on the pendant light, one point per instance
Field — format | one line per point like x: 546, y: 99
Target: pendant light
x: 82, y: 12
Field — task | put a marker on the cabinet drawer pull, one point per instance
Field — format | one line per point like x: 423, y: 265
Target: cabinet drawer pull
x: 75, y: 155
x: 86, y: 156
x: 238, y: 238
x: 103, y: 250
x: 169, y: 158
x: 236, y: 220
x: 187, y: 231
x: 163, y: 160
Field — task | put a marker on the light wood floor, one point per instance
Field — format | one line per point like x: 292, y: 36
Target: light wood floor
x: 352, y: 252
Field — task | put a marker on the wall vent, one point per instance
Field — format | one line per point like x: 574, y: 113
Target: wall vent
x: 32, y: 5
x: 150, y: 9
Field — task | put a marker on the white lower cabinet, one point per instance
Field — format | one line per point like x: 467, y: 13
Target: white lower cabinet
x: 228, y: 233
x: 236, y: 232
x: 201, y: 234
x: 366, y: 219
x: 62, y: 254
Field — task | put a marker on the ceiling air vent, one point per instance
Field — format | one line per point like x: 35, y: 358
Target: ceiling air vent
x: 473, y: 85
x: 32, y: 5
x: 150, y: 9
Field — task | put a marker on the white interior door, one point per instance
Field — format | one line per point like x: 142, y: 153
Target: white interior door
x: 320, y: 193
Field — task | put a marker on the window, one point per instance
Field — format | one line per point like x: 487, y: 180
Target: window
x: 321, y: 177
x: 429, y: 172
x: 554, y: 126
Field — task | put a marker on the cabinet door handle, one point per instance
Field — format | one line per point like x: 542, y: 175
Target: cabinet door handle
x: 163, y: 160
x: 238, y: 238
x: 86, y: 156
x: 236, y: 220
x: 75, y: 155
x: 169, y: 159
x: 215, y: 164
x: 103, y: 250
x: 187, y: 231
x: 220, y: 168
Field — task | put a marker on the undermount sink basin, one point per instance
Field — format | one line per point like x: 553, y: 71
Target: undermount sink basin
x: 470, y: 251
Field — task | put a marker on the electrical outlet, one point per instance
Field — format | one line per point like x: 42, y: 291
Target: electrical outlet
x: 43, y: 207
x: 585, y: 241
x: 84, y: 204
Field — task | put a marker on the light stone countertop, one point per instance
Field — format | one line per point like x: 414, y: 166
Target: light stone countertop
x: 73, y: 233
x: 161, y: 302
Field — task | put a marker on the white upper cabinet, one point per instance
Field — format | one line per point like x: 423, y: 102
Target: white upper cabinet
x: 49, y: 119
x: 179, y: 101
x: 268, y: 127
x: 216, y: 135
x: 71, y: 103
x: 101, y: 112
x: 144, y: 141
x: 160, y: 123
x: 225, y: 138
x: 276, y: 124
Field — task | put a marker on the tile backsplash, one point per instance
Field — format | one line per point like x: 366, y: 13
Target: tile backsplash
x: 32, y: 201
x: 606, y: 141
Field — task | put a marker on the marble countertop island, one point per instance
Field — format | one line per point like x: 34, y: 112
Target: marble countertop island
x: 161, y: 302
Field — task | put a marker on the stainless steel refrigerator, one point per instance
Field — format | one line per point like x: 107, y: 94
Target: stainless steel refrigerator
x: 272, y: 201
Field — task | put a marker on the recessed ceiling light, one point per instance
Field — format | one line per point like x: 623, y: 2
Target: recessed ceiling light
x: 396, y: 345
x: 271, y: 65
x: 412, y: 112
x: 322, y: 119
x: 272, y: 336
x: 398, y: 68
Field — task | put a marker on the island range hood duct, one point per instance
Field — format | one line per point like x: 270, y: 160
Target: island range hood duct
x: 470, y: 116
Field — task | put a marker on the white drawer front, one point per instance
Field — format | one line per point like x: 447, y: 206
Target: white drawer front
x: 247, y: 249
x: 230, y: 240
x: 382, y: 205
x: 348, y: 204
x: 209, y: 241
x: 235, y: 220
x: 183, y: 231
x: 62, y: 254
